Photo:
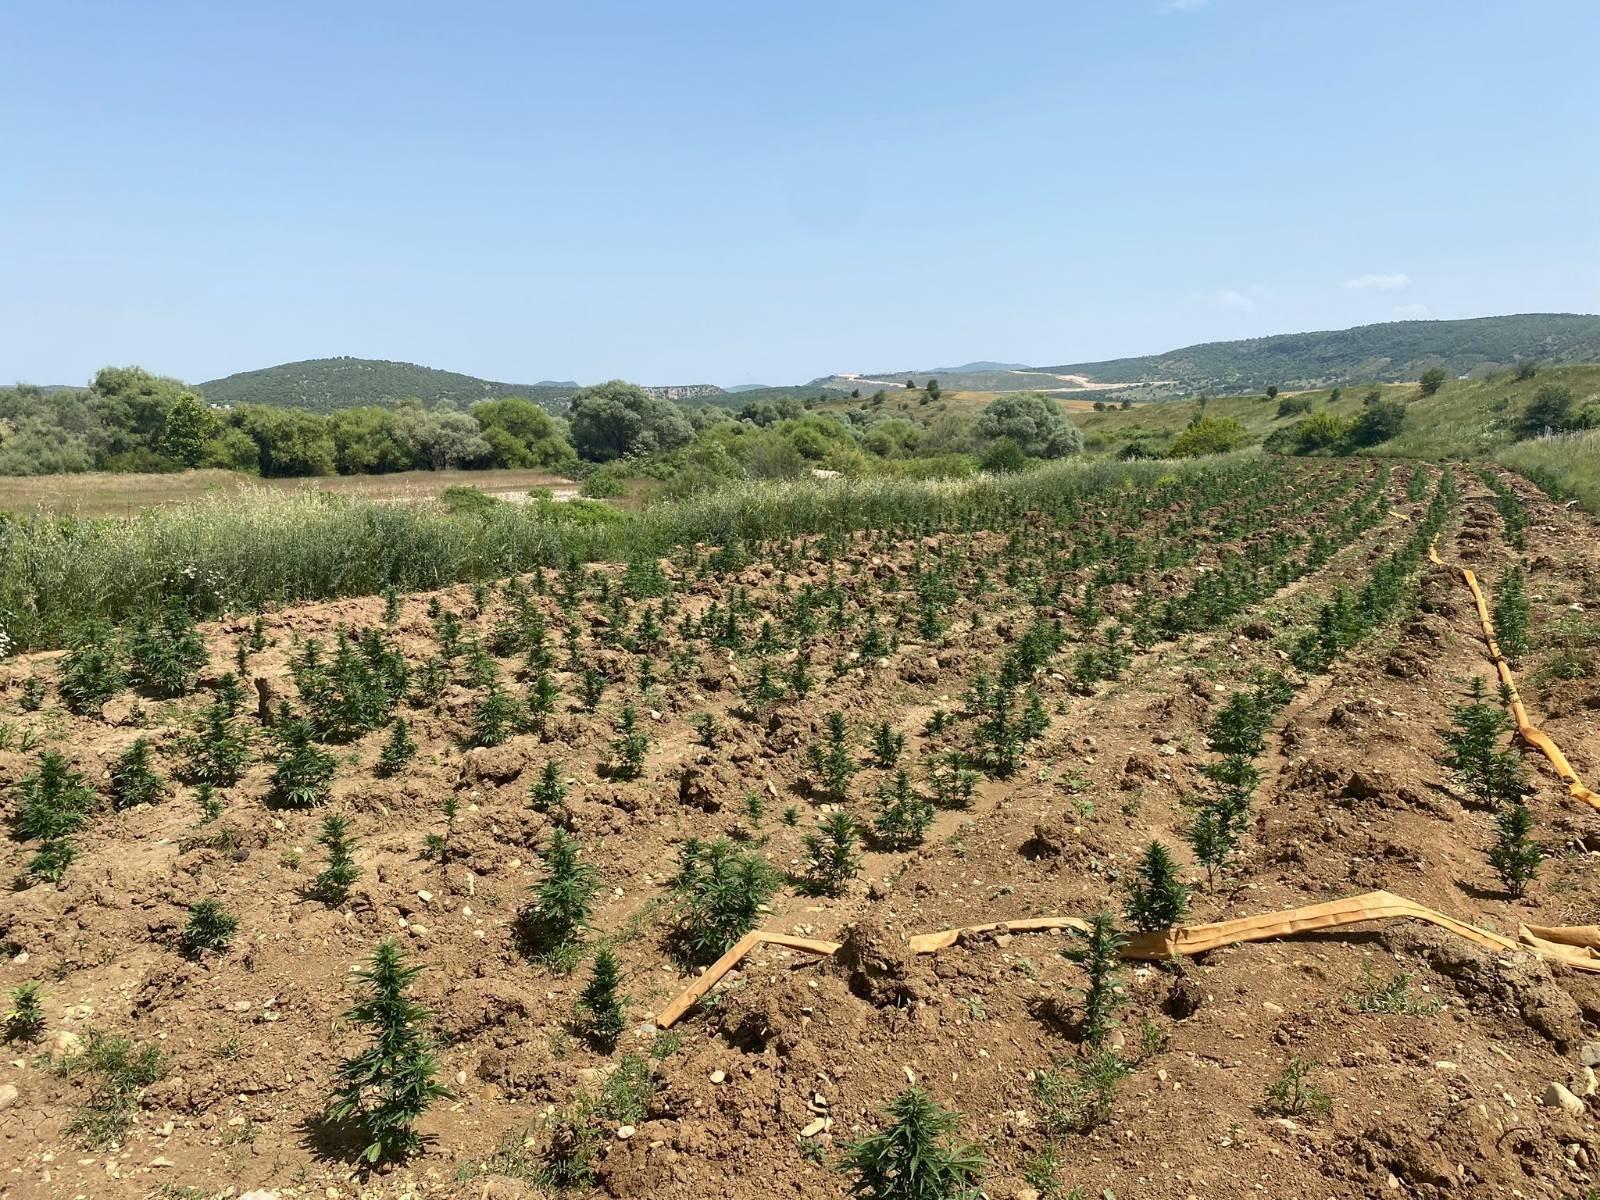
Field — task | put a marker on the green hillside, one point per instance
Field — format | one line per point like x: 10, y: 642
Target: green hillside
x: 1396, y: 350
x: 326, y: 384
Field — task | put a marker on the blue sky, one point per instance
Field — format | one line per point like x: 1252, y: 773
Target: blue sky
x: 738, y: 192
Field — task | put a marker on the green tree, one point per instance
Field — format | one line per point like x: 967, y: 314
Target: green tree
x: 1431, y: 380
x: 618, y: 419
x: 189, y: 425
x: 1208, y: 435
x: 392, y: 1082
x: 522, y: 434
x: 1034, y: 421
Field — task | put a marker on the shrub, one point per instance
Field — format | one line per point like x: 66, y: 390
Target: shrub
x: 1323, y: 430
x: 92, y: 671
x: 211, y: 927
x: 1378, y: 423
x: 1550, y: 408
x: 167, y: 657
x: 915, y: 1157
x: 133, y: 780
x: 332, y: 886
x: 1157, y: 898
x: 832, y: 858
x: 1431, y: 380
x: 1208, y: 435
x: 719, y: 892
x: 601, y: 1015
x: 563, y: 900
x: 390, y: 1084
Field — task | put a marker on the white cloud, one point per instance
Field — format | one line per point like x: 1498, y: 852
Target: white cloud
x: 1378, y: 283
x: 1235, y: 300
x: 1410, y: 312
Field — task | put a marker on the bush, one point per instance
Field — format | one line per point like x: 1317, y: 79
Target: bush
x: 1324, y: 430
x: 1550, y: 409
x: 1207, y: 435
x: 390, y: 1084
x: 1034, y: 422
x: 1378, y: 423
x: 1431, y: 380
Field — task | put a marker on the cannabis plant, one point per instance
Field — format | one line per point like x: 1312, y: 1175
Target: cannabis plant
x: 387, y: 1086
x: 601, y: 1014
x: 133, y: 779
x: 1157, y: 898
x: 1099, y: 956
x: 332, y: 885
x: 399, y: 748
x: 211, y: 927
x: 563, y: 900
x: 1516, y: 857
x: 832, y: 855
x: 719, y: 892
x: 915, y: 1157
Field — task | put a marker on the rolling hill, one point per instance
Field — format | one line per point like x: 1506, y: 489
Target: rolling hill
x: 325, y: 384
x: 1384, y: 353
x: 1389, y: 352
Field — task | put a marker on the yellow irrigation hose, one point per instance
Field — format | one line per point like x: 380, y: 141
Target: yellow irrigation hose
x: 1526, y: 729
x: 1572, y: 945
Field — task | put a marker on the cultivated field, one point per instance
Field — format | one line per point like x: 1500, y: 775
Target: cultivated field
x: 980, y: 706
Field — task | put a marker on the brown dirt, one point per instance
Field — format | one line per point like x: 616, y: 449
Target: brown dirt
x: 1353, y: 797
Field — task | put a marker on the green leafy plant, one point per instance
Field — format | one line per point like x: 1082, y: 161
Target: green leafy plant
x: 1157, y: 898
x: 116, y: 1071
x: 904, y: 815
x: 629, y: 747
x: 399, y: 748
x: 166, y: 657
x: 210, y: 929
x: 1077, y: 1097
x: 832, y: 855
x: 133, y: 779
x: 24, y: 1020
x: 437, y: 846
x: 495, y: 717
x: 830, y: 764
x: 302, y: 772
x: 332, y: 885
x: 548, y: 792
x: 719, y: 891
x: 92, y: 671
x: 915, y: 1157
x: 1512, y: 618
x: 1100, y: 958
x: 54, y: 800
x: 554, y: 922
x: 601, y: 1015
x: 218, y: 751
x: 391, y: 1083
x: 1515, y: 856
x: 887, y: 744
x: 1293, y: 1094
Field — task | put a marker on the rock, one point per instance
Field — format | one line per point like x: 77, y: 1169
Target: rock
x: 624, y: 1132
x: 1584, y: 1084
x: 68, y: 1043
x: 1589, y: 1054
x: 493, y: 764
x: 816, y: 1126
x: 879, y: 968
x: 1557, y: 1096
x: 718, y: 1076
x: 259, y: 1194
x: 8, y: 1095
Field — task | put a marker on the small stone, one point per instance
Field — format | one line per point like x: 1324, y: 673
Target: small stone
x: 1557, y: 1096
x: 162, y: 1162
x: 718, y: 1076
x: 68, y: 1042
x: 624, y: 1132
x: 425, y: 897
x: 815, y: 1126
x: 1589, y: 1054
x: 1584, y: 1084
x: 1270, y: 1007
x: 8, y: 1095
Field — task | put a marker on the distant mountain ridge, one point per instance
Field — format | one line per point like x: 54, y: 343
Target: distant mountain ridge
x: 1381, y: 353
x: 326, y: 384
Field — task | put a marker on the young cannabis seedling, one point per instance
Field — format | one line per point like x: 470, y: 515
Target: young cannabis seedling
x: 24, y: 1020
x: 601, y: 1015
x: 830, y: 764
x: 1293, y: 1094
x: 332, y: 885
x: 719, y: 893
x: 399, y: 748
x: 904, y: 815
x: 1100, y: 958
x: 832, y: 855
x: 554, y: 923
x: 1515, y: 856
x: 211, y: 927
x: 390, y: 1084
x: 1157, y: 898
x: 302, y: 772
x: 916, y: 1156
x: 133, y: 779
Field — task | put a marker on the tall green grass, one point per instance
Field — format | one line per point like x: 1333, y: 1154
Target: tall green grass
x: 1566, y: 466
x: 236, y: 553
